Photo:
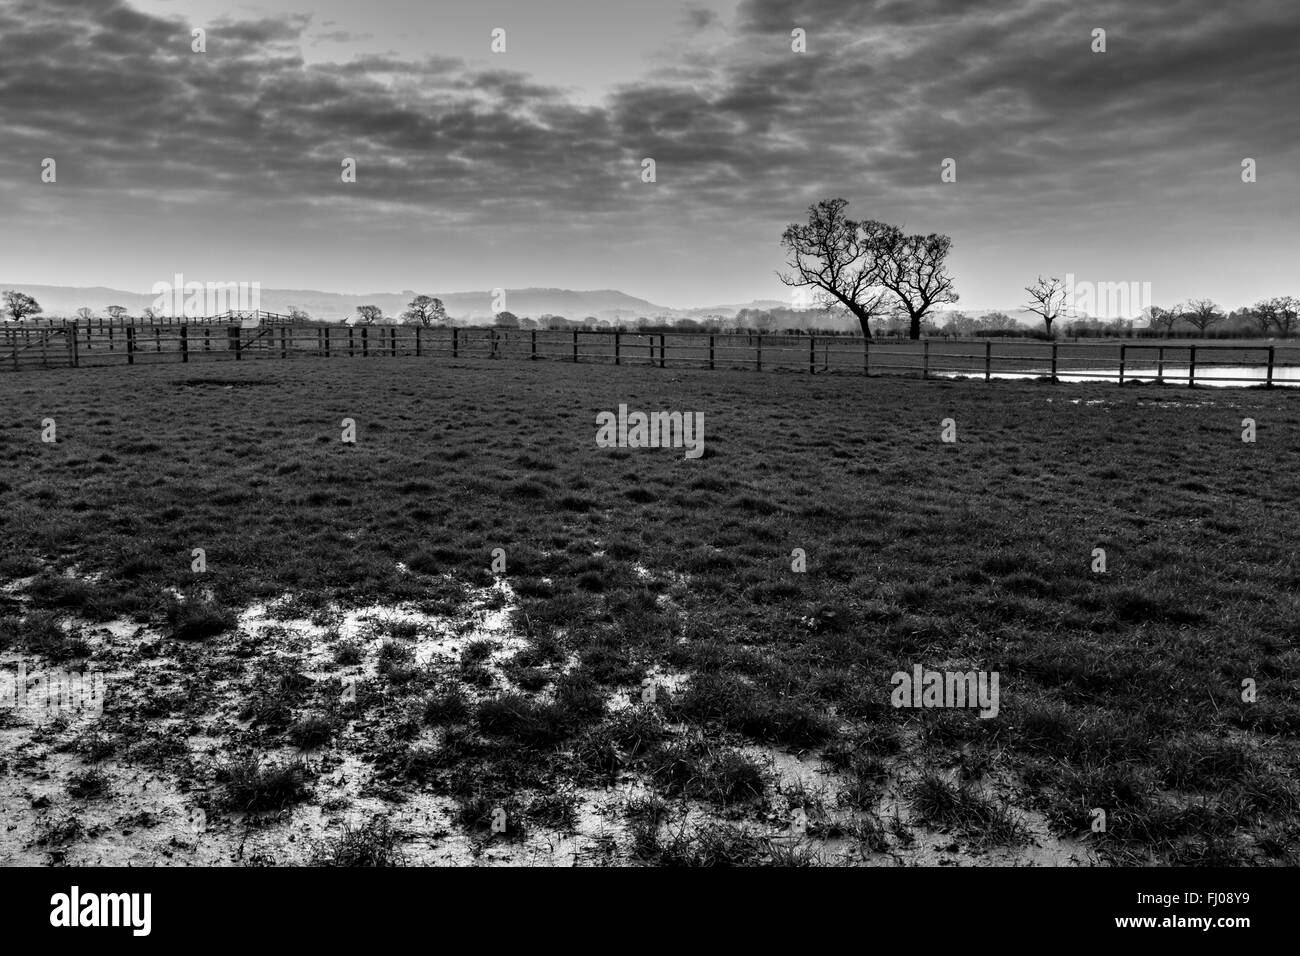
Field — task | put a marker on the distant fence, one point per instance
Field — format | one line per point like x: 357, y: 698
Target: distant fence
x: 75, y: 345
x: 108, y: 322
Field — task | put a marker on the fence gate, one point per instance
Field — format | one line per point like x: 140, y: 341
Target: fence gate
x: 22, y: 348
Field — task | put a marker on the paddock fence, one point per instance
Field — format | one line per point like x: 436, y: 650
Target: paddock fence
x: 76, y: 345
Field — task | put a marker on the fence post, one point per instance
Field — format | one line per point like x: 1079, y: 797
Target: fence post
x: 185, y: 343
x: 1268, y: 383
x: 1053, y: 361
x: 1191, y: 369
x: 284, y: 341
x: 925, y: 359
x: 812, y: 354
x: 352, y: 346
x: 988, y: 360
x: 661, y: 350
x: 759, y: 354
x: 392, y: 340
x: 365, y: 342
x: 157, y: 339
x: 575, y: 345
x: 417, y: 342
x: 72, y: 347
x: 235, y: 336
x: 326, y: 331
x: 1160, y: 365
x: 1122, y: 350
x: 617, y: 333
x: 710, y: 353
x: 866, y: 357
x: 130, y: 345
x: 455, y: 341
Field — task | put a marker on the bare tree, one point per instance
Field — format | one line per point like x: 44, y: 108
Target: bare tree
x: 1047, y: 299
x: 1281, y: 312
x: 85, y: 314
x: 19, y: 305
x: 995, y: 322
x: 1202, y: 313
x: 369, y: 314
x: 1165, y: 319
x: 506, y: 320
x: 914, y: 269
x: 115, y: 312
x: 835, y: 255
x: 298, y: 316
x: 426, y: 310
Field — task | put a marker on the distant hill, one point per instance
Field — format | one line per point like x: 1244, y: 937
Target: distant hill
x: 609, y: 304
x: 603, y: 303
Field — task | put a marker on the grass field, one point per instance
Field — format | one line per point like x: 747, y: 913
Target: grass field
x: 349, y: 682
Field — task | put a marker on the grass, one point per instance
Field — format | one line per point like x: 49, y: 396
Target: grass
x: 376, y: 843
x: 1121, y: 690
x: 253, y: 786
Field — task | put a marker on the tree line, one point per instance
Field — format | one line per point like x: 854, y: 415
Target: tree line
x: 890, y: 280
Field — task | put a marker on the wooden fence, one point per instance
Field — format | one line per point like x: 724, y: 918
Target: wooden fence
x: 75, y: 345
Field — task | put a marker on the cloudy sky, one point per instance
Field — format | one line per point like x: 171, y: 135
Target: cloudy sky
x: 479, y: 169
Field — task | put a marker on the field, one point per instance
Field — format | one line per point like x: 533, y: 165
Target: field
x: 349, y: 680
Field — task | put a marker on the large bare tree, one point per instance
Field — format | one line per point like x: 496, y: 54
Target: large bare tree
x: 914, y: 269
x: 1203, y: 313
x: 836, y: 256
x: 425, y: 310
x: 1047, y: 299
x: 19, y: 305
x: 1281, y: 313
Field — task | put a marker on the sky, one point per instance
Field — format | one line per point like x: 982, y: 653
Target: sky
x: 479, y: 169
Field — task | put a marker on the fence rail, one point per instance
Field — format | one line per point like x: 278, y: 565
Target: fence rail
x: 76, y: 345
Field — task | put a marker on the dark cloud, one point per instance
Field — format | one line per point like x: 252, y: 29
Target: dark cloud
x: 743, y: 130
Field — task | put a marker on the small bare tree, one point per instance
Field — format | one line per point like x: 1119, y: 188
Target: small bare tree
x: 1164, y: 320
x: 115, y: 312
x: 1047, y: 299
x: 85, y: 314
x: 369, y: 314
x: 1202, y: 313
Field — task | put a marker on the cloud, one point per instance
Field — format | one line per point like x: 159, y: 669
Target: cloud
x: 1046, y: 133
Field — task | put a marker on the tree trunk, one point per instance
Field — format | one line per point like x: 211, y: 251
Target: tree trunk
x: 863, y: 320
x: 914, y: 330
